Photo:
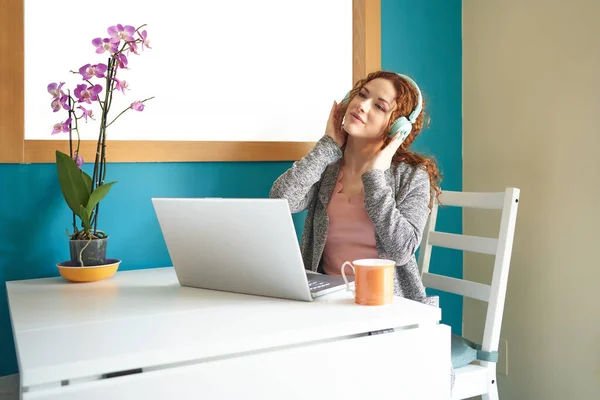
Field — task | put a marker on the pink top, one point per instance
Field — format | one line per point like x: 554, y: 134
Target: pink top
x: 351, y: 233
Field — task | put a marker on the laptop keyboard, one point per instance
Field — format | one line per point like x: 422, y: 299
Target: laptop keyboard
x: 317, y: 285
x: 318, y: 282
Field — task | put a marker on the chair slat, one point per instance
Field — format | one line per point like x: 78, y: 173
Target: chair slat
x: 464, y: 242
x: 493, y: 201
x: 462, y: 287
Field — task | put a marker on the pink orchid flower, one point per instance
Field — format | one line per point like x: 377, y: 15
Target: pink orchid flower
x: 78, y: 159
x: 56, y: 90
x: 61, y: 127
x: 133, y: 48
x: 107, y: 44
x: 137, y: 106
x: 63, y: 102
x: 88, y: 71
x: 145, y: 41
x: 122, y: 32
x: 122, y: 59
x: 87, y: 94
x: 121, y: 85
x: 55, y: 105
x: 86, y: 113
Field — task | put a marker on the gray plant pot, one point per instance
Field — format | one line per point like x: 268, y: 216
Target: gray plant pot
x: 94, y: 252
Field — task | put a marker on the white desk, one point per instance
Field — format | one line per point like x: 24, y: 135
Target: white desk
x: 193, y: 343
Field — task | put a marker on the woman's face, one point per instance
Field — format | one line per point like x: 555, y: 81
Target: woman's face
x: 369, y: 112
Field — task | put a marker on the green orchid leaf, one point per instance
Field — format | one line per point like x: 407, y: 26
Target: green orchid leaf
x: 72, y: 183
x: 98, y: 194
x: 85, y: 219
x: 88, y: 181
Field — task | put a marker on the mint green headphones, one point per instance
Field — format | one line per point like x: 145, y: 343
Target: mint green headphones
x: 402, y: 125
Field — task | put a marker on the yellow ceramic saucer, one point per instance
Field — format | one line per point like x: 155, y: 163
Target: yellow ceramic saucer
x: 88, y: 274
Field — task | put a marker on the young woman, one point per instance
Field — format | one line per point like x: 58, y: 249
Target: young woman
x: 367, y: 194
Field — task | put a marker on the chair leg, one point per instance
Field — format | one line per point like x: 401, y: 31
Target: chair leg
x: 493, y: 394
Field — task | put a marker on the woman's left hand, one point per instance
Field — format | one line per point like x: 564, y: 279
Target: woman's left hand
x: 383, y: 159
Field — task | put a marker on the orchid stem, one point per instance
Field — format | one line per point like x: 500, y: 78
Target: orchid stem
x: 127, y: 109
x: 112, y: 70
x: 71, y: 145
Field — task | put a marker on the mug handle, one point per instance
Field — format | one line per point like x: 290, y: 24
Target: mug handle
x: 344, y: 275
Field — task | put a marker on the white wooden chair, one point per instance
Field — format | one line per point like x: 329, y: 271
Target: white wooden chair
x: 479, y: 377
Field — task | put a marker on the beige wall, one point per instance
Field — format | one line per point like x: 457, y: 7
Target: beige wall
x: 531, y: 114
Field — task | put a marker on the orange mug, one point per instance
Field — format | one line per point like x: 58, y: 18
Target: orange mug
x: 373, y: 281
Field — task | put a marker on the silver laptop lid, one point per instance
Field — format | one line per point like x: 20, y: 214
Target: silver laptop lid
x: 237, y: 245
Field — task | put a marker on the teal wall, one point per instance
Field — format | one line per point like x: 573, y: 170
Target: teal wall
x: 423, y: 41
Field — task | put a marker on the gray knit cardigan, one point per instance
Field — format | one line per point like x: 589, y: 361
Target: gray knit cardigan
x: 396, y: 200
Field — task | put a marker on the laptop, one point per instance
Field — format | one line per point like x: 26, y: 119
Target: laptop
x: 239, y: 245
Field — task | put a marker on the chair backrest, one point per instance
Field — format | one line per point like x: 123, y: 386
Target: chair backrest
x: 500, y: 247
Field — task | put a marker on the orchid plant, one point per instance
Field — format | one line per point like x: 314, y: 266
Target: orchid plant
x: 81, y: 191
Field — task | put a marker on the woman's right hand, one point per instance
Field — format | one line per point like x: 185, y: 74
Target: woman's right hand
x: 334, y: 125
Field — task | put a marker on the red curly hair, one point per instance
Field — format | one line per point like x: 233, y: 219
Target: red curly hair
x: 406, y: 99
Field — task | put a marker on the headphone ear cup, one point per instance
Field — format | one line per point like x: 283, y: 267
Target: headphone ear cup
x: 401, y: 125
